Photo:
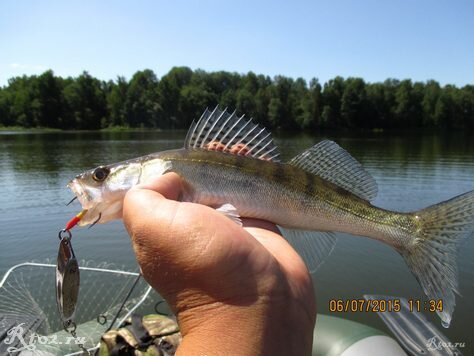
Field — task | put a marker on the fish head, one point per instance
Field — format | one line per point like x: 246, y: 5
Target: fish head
x: 101, y: 190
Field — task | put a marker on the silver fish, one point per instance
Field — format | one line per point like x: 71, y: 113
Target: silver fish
x: 232, y: 164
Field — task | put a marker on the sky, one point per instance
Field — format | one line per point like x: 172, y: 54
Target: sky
x: 374, y: 40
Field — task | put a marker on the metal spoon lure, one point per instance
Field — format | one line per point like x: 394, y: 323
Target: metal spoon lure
x: 67, y: 275
x: 67, y: 280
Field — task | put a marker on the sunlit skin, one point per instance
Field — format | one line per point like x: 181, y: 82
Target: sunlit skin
x: 233, y: 289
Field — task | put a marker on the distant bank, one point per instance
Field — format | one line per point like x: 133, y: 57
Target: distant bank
x: 180, y: 96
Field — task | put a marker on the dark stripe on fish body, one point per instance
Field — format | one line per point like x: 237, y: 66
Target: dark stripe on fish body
x: 278, y: 173
x: 309, y: 184
x: 204, y: 164
x: 238, y: 162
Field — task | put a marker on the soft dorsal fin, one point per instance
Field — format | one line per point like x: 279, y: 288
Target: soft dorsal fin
x: 331, y: 162
x: 220, y: 131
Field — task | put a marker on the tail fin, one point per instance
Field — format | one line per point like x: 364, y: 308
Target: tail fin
x: 432, y: 258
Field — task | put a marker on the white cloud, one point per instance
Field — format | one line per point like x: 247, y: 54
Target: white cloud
x: 20, y: 66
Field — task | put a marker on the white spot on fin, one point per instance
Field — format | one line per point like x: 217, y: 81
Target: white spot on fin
x: 220, y: 131
x: 333, y: 163
x: 312, y: 246
x: 231, y: 212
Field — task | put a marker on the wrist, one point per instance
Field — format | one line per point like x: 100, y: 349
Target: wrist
x: 266, y: 327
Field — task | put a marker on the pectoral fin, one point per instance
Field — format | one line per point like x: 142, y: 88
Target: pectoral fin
x: 313, y: 246
x: 231, y: 212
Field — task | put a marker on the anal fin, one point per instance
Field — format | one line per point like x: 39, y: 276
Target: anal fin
x: 312, y: 246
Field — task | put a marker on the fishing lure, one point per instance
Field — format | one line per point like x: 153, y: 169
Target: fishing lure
x: 68, y: 279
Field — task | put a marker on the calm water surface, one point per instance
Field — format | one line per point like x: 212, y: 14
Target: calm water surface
x: 412, y: 172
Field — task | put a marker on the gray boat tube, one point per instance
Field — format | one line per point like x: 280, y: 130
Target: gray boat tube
x: 335, y: 336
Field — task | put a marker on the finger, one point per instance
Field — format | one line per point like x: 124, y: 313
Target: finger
x: 169, y: 185
x: 257, y: 223
x: 170, y: 233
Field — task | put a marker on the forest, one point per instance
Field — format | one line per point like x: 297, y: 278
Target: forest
x: 179, y: 97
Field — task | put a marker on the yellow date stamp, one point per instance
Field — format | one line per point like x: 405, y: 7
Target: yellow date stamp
x: 383, y: 305
x: 362, y: 305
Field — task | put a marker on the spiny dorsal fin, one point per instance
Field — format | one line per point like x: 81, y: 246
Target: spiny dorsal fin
x: 220, y: 131
x: 331, y: 162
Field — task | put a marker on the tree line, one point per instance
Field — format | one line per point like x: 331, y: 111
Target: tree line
x: 180, y: 96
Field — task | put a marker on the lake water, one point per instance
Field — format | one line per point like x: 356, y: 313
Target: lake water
x: 412, y: 171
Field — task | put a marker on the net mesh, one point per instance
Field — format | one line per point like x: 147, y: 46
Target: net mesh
x: 28, y: 298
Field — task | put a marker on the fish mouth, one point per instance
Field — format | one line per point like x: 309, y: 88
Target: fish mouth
x: 90, y: 204
x: 99, y: 211
x: 84, y: 198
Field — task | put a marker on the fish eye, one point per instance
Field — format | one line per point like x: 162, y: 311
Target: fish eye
x: 100, y: 173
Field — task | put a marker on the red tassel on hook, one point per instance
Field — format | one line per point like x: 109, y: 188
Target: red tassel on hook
x: 73, y: 222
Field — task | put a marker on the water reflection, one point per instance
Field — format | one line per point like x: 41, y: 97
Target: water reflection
x: 58, y: 152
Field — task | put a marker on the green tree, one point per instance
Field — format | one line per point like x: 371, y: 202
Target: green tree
x: 428, y: 104
x: 354, y: 104
x: 24, y: 105
x: 142, y: 105
x: 328, y: 119
x: 116, y: 100
x: 246, y: 92
x: 408, y: 110
x: 444, y: 110
x: 282, y: 103
x: 194, y: 98
x: 169, y: 90
x: 378, y: 107
x: 316, y: 102
x: 332, y: 94
x: 50, y: 100
x: 253, y: 96
x: 6, y: 119
x: 85, y: 102
x: 299, y: 104
x: 466, y: 104
x: 224, y: 86
x: 182, y: 94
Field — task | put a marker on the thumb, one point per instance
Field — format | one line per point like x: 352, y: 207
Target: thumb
x: 174, y: 242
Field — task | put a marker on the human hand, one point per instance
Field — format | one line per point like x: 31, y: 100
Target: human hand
x: 233, y: 289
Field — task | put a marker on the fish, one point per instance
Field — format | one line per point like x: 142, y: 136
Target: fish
x: 232, y: 164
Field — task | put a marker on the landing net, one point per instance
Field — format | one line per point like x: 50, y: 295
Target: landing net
x: 28, y: 298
